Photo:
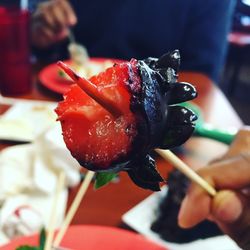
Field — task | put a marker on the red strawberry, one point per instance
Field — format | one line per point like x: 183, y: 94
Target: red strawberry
x: 114, y: 119
x: 94, y: 136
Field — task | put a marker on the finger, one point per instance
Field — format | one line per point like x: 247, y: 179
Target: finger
x: 43, y: 38
x: 59, y: 18
x: 69, y: 13
x: 52, y: 14
x: 241, y: 143
x: 226, y: 206
x: 190, y: 214
x: 232, y: 173
x: 44, y: 15
x: 228, y: 174
x: 63, y: 14
x: 232, y: 213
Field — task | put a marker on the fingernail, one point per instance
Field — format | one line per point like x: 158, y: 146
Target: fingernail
x: 227, y: 207
x: 72, y: 20
x: 195, y: 208
x: 210, y: 218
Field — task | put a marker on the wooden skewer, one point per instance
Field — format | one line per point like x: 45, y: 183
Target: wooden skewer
x: 73, y: 208
x: 52, y: 219
x: 186, y: 170
x: 91, y: 90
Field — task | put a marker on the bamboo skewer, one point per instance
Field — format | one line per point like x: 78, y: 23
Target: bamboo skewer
x: 52, y: 219
x: 186, y: 170
x: 73, y: 208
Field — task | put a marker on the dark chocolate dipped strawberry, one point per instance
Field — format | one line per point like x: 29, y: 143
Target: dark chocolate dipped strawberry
x: 124, y: 113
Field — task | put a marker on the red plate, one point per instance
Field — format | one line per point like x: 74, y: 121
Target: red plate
x: 93, y: 237
x: 50, y: 78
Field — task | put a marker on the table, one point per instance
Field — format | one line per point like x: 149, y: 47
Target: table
x: 107, y: 205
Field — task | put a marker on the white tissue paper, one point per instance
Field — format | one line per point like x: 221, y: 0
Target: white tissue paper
x: 25, y: 120
x: 28, y: 179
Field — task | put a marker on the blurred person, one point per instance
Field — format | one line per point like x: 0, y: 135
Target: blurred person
x: 141, y: 28
x: 230, y: 208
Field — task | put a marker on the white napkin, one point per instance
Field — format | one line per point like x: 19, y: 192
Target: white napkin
x: 29, y: 173
x: 26, y: 119
x: 50, y: 151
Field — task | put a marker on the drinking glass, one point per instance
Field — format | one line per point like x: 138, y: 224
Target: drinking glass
x: 15, y: 66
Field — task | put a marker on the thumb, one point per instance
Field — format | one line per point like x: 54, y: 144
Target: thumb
x: 227, y: 207
x: 231, y: 211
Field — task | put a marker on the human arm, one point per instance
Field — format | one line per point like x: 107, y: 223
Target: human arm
x: 50, y: 23
x: 230, y: 208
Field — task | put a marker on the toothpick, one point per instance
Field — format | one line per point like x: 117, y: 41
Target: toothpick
x: 73, y: 208
x: 91, y: 90
x: 186, y: 170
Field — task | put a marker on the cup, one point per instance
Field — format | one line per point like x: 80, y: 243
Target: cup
x: 15, y: 66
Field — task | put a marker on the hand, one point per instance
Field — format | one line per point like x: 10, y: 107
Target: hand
x: 230, y: 208
x: 50, y: 22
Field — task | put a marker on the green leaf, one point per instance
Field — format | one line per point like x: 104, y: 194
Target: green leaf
x: 27, y: 248
x: 42, y: 239
x: 104, y: 178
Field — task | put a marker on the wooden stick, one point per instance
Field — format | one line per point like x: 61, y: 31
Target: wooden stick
x: 186, y: 170
x: 73, y: 208
x: 91, y: 90
x: 52, y: 219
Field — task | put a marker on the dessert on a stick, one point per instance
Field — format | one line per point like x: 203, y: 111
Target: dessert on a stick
x: 112, y: 121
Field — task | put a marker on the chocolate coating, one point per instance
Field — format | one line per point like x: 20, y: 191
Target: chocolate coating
x: 166, y: 125
x: 160, y: 123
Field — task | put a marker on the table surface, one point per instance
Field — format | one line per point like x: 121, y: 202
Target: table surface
x: 106, y: 206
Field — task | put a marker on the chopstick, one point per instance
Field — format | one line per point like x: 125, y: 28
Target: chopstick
x: 73, y: 208
x: 186, y: 170
x: 51, y: 225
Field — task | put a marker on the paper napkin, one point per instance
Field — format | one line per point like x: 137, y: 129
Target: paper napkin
x: 28, y: 177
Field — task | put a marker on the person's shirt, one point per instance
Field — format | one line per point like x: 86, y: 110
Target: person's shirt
x: 141, y: 28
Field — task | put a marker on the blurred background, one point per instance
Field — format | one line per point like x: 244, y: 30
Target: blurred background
x: 235, y: 81
x: 214, y: 43
x: 232, y: 64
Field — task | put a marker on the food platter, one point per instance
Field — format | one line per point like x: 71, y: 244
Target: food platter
x: 50, y: 77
